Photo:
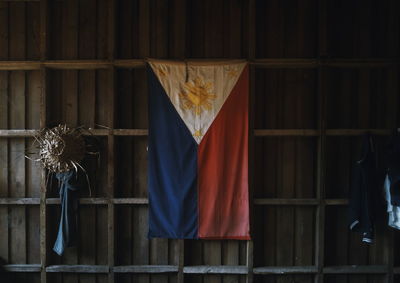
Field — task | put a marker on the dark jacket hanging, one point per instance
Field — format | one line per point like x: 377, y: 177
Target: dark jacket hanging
x: 363, y: 192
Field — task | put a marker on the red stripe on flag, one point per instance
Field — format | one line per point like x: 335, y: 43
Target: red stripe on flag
x: 223, y: 169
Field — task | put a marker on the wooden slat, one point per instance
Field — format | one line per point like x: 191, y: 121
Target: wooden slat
x: 221, y: 269
x: 78, y: 268
x: 139, y: 63
x: 286, y: 270
x: 281, y: 201
x: 81, y: 201
x: 257, y: 132
x: 22, y: 267
x: 146, y: 269
x: 4, y: 159
x: 140, y: 201
x: 288, y: 132
x: 356, y: 269
x: 19, y: 201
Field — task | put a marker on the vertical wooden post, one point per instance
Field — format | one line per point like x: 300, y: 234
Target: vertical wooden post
x: 111, y: 139
x: 321, y: 162
x: 43, y: 110
x: 181, y: 260
x: 250, y: 56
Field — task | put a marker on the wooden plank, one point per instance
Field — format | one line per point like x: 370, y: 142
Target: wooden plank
x: 221, y: 269
x: 257, y: 132
x: 4, y: 30
x: 139, y: 63
x: 87, y: 243
x: 356, y: 269
x: 33, y: 101
x: 146, y: 269
x: 32, y: 30
x: 87, y: 98
x: 230, y: 257
x: 78, y: 268
x: 4, y: 159
x: 144, y: 29
x: 286, y: 270
x: 288, y: 201
x: 44, y: 25
x: 17, y: 33
x: 177, y: 30
x: 87, y: 29
x: 22, y: 267
x: 285, y: 132
x: 43, y: 185
x: 17, y: 233
x: 159, y: 256
x: 19, y: 201
x: 33, y: 234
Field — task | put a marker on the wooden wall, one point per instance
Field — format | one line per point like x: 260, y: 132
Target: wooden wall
x: 322, y: 73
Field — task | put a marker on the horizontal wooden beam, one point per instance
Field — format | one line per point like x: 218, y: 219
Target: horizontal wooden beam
x: 257, y: 132
x: 285, y: 269
x: 19, y: 201
x: 139, y: 63
x: 221, y: 269
x: 78, y: 268
x: 285, y: 132
x: 130, y: 201
x: 146, y: 269
x: 277, y: 201
x: 356, y: 269
x: 336, y: 201
x: 103, y: 201
x: 357, y: 132
x: 202, y: 269
x: 121, y: 201
x: 81, y: 201
x: 22, y: 267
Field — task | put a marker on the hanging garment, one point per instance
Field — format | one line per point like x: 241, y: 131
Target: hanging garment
x: 393, y: 168
x: 198, y: 150
x: 363, y: 191
x: 393, y: 210
x: 70, y: 183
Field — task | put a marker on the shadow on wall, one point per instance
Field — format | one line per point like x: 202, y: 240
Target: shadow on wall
x: 4, y: 275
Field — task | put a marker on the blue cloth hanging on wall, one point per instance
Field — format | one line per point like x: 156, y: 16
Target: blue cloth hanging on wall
x: 70, y: 184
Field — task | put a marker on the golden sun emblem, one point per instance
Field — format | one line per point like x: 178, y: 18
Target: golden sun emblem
x: 197, y: 95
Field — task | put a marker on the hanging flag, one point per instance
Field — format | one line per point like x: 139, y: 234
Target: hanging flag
x: 198, y: 150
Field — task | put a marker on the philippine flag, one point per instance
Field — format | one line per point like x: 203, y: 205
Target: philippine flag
x: 198, y: 150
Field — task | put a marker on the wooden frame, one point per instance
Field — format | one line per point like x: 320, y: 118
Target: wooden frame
x: 320, y: 64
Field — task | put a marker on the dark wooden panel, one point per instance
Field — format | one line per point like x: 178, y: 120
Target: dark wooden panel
x: 78, y: 98
x: 281, y: 159
x: 92, y: 245
x: 283, y: 278
x: 365, y: 98
x: 284, y: 236
x: 132, y: 244
x: 355, y: 278
x: 344, y: 247
x: 285, y: 98
x: 286, y: 28
x: 77, y: 29
x: 131, y: 99
x: 131, y: 167
x: 364, y: 28
x: 341, y: 156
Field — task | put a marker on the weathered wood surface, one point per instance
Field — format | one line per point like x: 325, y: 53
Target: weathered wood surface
x: 322, y: 74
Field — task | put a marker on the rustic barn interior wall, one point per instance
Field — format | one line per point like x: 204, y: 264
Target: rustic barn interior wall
x: 323, y: 72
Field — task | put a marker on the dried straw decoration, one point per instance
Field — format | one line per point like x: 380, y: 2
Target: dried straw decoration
x: 61, y: 148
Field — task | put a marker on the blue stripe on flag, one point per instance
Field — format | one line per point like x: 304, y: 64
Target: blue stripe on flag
x: 172, y: 171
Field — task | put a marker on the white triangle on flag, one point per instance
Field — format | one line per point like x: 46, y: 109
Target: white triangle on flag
x: 197, y: 90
